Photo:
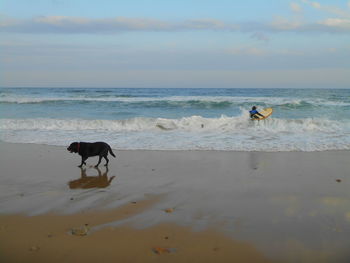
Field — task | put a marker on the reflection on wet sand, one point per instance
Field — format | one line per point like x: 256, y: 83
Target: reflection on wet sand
x: 85, y: 182
x: 253, y: 160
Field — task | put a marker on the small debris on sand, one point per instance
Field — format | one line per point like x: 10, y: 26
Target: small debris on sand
x: 80, y: 231
x: 169, y: 210
x: 163, y: 250
x: 34, y: 248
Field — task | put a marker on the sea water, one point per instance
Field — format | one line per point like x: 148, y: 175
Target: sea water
x: 178, y: 119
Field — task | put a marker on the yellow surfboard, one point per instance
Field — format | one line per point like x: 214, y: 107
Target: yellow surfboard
x: 266, y: 112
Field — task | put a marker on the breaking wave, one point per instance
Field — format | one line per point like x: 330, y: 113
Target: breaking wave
x: 188, y: 133
x: 193, y: 123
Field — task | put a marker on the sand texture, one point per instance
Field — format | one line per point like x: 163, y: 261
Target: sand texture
x: 174, y: 206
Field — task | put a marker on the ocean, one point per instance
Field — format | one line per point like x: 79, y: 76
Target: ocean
x: 178, y: 119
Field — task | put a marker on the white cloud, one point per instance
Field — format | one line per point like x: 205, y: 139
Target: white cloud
x: 335, y: 10
x: 316, y: 5
x: 283, y: 23
x: 337, y: 22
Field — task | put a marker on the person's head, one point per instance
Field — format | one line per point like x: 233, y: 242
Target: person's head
x: 253, y: 108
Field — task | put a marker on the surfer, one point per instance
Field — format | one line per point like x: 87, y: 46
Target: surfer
x: 254, y: 113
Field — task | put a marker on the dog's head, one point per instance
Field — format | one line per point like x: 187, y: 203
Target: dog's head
x: 73, y: 147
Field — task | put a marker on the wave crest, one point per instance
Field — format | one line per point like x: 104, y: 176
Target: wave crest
x: 182, y: 101
x: 188, y: 133
x: 189, y: 124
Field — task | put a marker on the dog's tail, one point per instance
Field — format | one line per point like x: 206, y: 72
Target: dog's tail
x: 110, y: 151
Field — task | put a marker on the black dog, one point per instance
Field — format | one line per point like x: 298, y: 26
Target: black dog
x: 87, y: 149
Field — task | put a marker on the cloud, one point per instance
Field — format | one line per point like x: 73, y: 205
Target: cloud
x: 260, y: 36
x: 295, y: 7
x: 334, y: 10
x: 206, y: 24
x: 73, y: 25
x: 316, y: 5
x: 337, y: 22
x: 340, y: 22
x: 329, y: 25
x: 65, y: 24
x: 284, y: 24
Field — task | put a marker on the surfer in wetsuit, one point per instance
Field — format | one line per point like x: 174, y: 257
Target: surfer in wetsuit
x: 254, y: 113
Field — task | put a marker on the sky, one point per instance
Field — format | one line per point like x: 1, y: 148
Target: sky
x: 175, y: 43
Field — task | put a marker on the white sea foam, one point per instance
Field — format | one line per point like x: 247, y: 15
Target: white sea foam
x: 187, y: 133
x: 193, y: 123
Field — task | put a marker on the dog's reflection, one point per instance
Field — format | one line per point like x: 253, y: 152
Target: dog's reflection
x: 85, y: 182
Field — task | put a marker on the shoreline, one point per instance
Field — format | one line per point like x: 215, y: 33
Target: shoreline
x: 284, y: 206
x: 177, y: 150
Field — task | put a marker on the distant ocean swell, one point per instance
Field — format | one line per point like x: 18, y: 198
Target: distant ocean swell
x: 181, y: 101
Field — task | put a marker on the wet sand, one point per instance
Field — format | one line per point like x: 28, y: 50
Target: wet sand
x: 49, y: 238
x: 174, y: 206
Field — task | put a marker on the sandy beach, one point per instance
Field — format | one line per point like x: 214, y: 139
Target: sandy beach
x: 174, y: 206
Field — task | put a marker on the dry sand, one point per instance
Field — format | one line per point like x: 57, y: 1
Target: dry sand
x: 189, y: 206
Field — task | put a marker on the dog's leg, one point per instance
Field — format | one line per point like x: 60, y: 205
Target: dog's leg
x: 107, y: 161
x: 99, y: 161
x: 83, y: 159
